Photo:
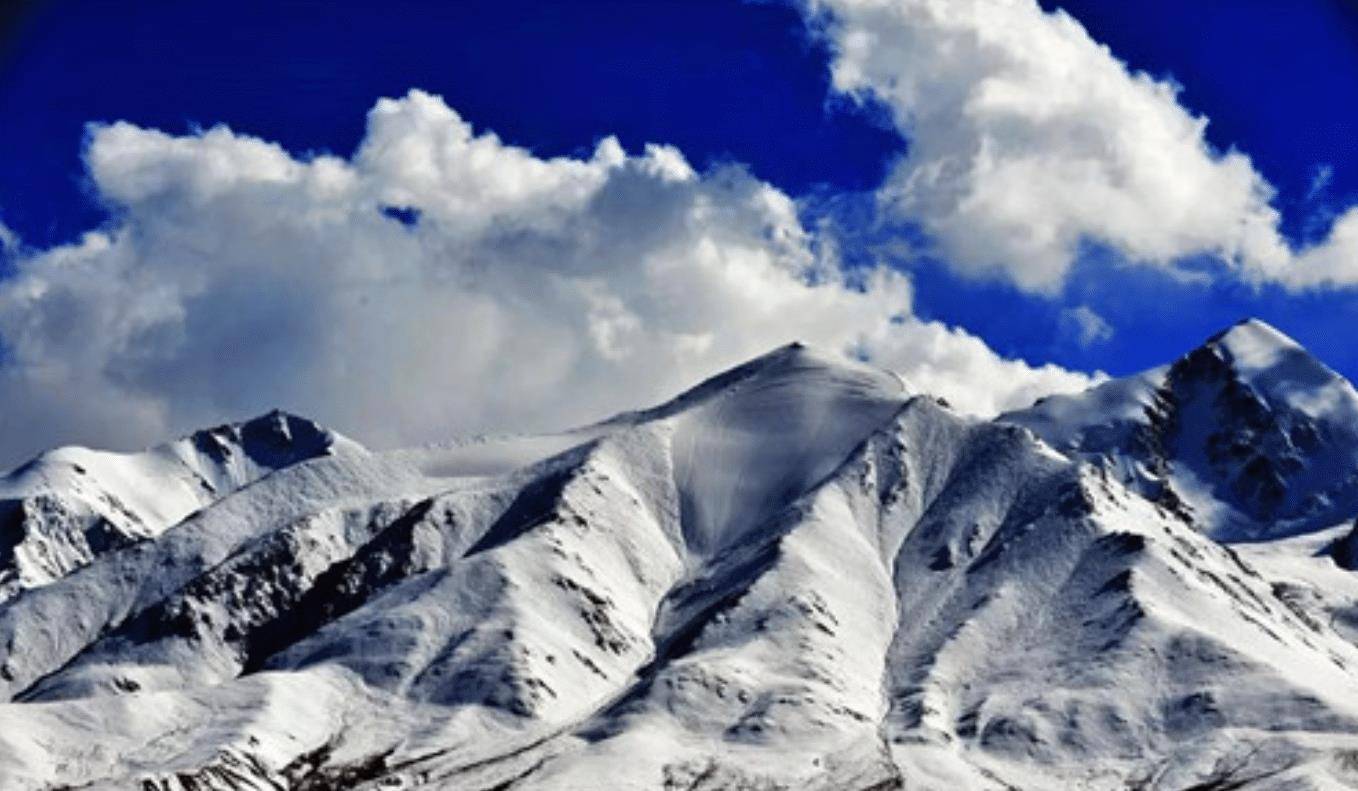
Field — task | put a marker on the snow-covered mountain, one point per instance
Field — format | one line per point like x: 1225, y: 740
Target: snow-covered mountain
x: 1249, y: 434
x: 799, y: 574
x: 61, y: 510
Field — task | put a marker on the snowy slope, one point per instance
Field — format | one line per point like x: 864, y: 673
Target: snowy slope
x: 796, y: 575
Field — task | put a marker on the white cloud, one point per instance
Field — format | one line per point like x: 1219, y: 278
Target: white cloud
x: 531, y: 293
x: 1333, y: 262
x: 949, y: 362
x: 1026, y: 138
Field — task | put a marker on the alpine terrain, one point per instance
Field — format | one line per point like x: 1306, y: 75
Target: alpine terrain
x: 801, y: 574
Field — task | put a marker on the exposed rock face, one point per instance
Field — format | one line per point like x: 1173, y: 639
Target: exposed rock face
x: 1345, y: 549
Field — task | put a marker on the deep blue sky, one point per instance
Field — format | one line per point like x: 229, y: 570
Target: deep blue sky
x: 718, y: 78
x: 721, y: 79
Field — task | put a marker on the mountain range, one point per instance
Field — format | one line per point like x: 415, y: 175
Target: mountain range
x: 800, y: 574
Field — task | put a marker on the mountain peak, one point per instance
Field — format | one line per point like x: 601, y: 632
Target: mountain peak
x: 1251, y: 325
x: 1274, y: 366
x: 272, y: 440
x: 795, y: 365
x: 1253, y: 344
x: 1255, y: 434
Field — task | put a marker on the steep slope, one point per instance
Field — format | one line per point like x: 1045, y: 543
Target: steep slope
x: 64, y: 508
x: 796, y: 575
x: 1250, y: 432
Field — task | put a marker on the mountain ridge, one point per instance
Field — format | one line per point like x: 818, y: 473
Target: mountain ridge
x: 797, y: 574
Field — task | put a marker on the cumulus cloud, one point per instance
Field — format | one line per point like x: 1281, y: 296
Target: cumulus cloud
x: 1027, y: 138
x: 437, y: 282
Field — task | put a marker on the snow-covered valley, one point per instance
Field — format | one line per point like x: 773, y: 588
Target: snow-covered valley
x: 799, y: 574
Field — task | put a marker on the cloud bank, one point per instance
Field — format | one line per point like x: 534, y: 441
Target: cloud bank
x: 1027, y: 138
x: 437, y: 282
